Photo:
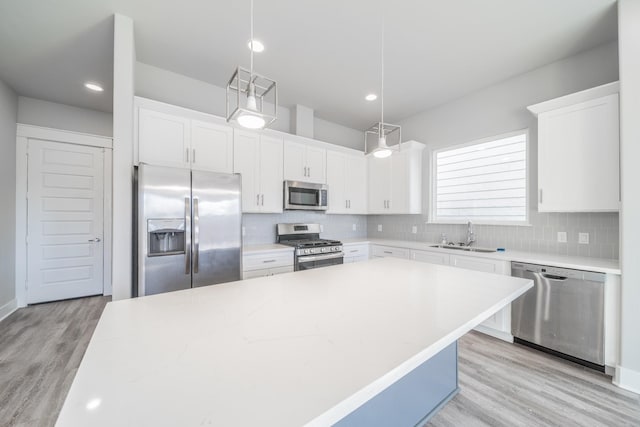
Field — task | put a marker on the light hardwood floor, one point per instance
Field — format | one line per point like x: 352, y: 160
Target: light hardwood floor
x: 41, y: 347
x: 504, y: 384
x: 501, y: 384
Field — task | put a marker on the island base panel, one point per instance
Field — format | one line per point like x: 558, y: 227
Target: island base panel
x: 414, y: 398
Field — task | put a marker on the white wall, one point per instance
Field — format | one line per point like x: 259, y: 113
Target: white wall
x: 166, y: 86
x: 8, y: 118
x: 501, y: 108
x: 337, y: 134
x: 629, y: 36
x: 37, y: 112
x: 123, y: 91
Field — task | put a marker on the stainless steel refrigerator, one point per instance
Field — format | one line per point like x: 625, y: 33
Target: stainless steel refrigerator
x: 189, y: 229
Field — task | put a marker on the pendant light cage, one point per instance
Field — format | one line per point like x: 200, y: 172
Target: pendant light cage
x: 392, y: 135
x: 241, y: 86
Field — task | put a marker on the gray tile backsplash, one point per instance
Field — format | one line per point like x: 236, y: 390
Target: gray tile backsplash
x: 261, y: 228
x: 541, y: 236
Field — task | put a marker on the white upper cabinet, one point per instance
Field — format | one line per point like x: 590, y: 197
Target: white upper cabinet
x: 346, y: 182
x: 395, y: 182
x: 166, y: 139
x: 578, y: 151
x: 163, y: 139
x: 258, y: 159
x: 211, y: 147
x: 304, y: 162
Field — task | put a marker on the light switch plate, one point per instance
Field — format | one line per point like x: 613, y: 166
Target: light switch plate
x: 379, y: 227
x: 583, y: 238
x: 562, y: 237
x: 414, y: 229
x: 354, y: 227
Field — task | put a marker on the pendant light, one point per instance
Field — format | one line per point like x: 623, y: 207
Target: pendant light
x: 382, y: 139
x: 252, y: 99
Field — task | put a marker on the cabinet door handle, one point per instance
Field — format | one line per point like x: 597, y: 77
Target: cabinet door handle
x: 193, y: 157
x: 309, y: 171
x: 262, y: 200
x: 305, y: 171
x: 187, y: 154
x: 349, y: 204
x: 346, y: 204
x: 540, y: 197
x: 266, y: 261
x: 257, y: 199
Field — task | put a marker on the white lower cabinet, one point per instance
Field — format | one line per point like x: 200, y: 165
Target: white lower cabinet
x: 378, y: 251
x: 498, y: 325
x: 266, y: 264
x: 430, y: 257
x: 355, y: 253
x: 264, y: 272
x: 481, y: 264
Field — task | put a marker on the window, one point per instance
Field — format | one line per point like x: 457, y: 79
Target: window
x: 484, y: 181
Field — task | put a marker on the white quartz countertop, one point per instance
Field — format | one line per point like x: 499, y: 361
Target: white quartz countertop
x: 266, y: 248
x: 611, y: 266
x: 303, y: 348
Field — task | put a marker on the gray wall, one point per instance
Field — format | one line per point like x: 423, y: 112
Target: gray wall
x: 37, y: 112
x: 261, y: 228
x: 176, y: 89
x: 499, y: 109
x: 8, y: 118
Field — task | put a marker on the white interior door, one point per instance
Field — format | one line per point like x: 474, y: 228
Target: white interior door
x: 64, y: 221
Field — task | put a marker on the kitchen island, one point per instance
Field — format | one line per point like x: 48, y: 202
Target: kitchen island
x: 354, y: 344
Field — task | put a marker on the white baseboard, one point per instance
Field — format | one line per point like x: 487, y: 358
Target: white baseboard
x: 627, y: 379
x: 504, y: 336
x: 7, y: 309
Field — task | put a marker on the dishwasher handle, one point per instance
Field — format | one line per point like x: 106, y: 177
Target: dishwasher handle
x: 554, y: 277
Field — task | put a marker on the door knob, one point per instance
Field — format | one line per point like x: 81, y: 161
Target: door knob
x: 97, y: 239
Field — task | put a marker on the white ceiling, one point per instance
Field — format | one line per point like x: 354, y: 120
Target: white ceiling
x: 324, y: 54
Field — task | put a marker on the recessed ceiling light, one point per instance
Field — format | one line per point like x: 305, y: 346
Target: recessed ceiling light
x: 93, y: 86
x: 257, y: 46
x: 371, y: 97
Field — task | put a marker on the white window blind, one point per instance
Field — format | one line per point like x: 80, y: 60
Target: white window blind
x: 482, y: 182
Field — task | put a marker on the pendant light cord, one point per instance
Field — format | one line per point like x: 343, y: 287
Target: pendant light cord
x: 251, y: 43
x: 381, y: 130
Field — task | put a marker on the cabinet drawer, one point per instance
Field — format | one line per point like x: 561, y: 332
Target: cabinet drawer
x: 264, y: 272
x: 352, y: 259
x: 355, y: 250
x: 387, y: 251
x: 267, y: 261
x: 430, y: 257
x: 479, y: 264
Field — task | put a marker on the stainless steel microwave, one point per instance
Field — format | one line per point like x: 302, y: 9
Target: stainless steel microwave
x: 305, y: 196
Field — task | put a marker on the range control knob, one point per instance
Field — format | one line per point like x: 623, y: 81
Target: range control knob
x: 324, y: 249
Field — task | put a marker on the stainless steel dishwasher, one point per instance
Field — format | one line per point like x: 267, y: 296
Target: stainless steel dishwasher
x: 562, y: 314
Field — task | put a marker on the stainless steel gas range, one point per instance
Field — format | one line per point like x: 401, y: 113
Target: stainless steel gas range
x: 311, y: 250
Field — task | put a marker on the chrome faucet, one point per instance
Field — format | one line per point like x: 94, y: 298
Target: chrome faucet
x: 471, y: 237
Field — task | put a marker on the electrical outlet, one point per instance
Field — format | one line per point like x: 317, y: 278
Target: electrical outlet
x: 354, y: 227
x: 583, y: 238
x: 244, y: 231
x: 379, y: 227
x: 414, y: 229
x: 562, y: 237
x: 321, y: 228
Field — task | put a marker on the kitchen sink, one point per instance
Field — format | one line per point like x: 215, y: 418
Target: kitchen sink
x: 465, y: 248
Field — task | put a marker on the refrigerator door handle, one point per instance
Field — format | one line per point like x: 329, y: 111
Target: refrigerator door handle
x: 187, y: 236
x: 196, y: 236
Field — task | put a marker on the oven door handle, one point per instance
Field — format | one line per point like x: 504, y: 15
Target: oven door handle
x: 308, y: 258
